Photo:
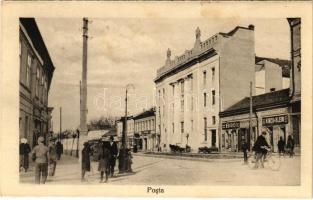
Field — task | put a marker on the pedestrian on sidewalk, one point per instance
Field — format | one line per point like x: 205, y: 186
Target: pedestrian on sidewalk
x: 85, y: 160
x: 104, y: 160
x: 41, y: 155
x: 290, y: 145
x: 52, y: 157
x: 113, y: 152
x: 24, y: 154
x: 59, y: 148
x: 281, y: 146
x: 245, y: 152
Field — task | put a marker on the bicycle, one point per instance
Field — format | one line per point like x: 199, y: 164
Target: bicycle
x: 270, y: 161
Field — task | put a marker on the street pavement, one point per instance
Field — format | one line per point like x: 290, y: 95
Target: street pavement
x: 164, y: 171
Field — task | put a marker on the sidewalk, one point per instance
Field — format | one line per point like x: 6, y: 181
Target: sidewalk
x: 212, y: 157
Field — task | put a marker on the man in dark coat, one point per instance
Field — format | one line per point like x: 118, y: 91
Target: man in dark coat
x: 59, y: 149
x: 24, y: 154
x: 281, y: 146
x: 245, y: 152
x: 113, y: 151
x: 85, y: 160
x: 260, y: 148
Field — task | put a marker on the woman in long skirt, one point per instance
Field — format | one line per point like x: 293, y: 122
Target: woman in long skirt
x: 104, y: 158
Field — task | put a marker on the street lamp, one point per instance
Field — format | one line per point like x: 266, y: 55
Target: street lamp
x: 123, y: 154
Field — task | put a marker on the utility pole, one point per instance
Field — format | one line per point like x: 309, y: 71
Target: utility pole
x: 250, y: 115
x: 83, y: 110
x: 80, y: 104
x: 60, y: 123
x: 83, y: 91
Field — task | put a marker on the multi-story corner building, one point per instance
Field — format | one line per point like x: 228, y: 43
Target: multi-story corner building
x: 36, y: 71
x: 146, y: 138
x: 271, y: 74
x: 295, y: 86
x: 194, y: 87
x: 120, y: 124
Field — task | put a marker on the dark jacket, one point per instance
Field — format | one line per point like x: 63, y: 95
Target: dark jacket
x: 113, y: 149
x: 59, y: 148
x: 290, y: 143
x: 244, y: 147
x: 86, y: 158
x: 24, y: 149
x: 259, y: 143
x: 281, y: 144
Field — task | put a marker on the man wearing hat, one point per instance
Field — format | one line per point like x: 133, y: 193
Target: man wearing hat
x: 41, y: 155
x: 113, y: 150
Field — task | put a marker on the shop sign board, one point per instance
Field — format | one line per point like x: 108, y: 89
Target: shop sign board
x: 230, y: 125
x: 275, y: 120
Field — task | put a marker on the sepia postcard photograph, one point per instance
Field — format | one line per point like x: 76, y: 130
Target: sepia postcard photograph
x: 185, y: 99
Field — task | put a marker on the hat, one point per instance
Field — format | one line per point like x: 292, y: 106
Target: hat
x: 40, y: 139
x: 86, y: 144
x: 24, y: 140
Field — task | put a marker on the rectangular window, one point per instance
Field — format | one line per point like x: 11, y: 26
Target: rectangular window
x: 204, y: 78
x: 182, y: 102
x: 27, y: 76
x: 29, y: 60
x: 191, y: 83
x: 204, y: 99
x: 191, y: 103
x: 163, y: 110
x: 205, y: 129
x: 26, y: 127
x: 173, y: 89
x: 191, y: 125
x: 182, y: 127
x: 213, y: 97
x: 37, y: 81
x: 173, y: 127
x: 213, y: 132
x: 182, y: 88
x: 213, y: 74
x: 213, y: 120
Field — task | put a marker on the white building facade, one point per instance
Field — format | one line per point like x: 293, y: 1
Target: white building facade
x: 193, y: 88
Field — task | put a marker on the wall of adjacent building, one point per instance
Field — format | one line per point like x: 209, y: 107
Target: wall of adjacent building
x: 237, y: 67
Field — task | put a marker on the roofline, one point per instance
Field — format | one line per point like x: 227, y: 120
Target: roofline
x: 199, y: 58
x: 255, y: 108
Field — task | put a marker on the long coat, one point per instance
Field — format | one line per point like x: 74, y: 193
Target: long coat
x: 86, y: 158
x: 104, y: 158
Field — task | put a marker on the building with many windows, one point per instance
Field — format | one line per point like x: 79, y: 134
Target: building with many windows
x: 36, y: 71
x: 120, y: 124
x: 146, y: 138
x: 194, y: 87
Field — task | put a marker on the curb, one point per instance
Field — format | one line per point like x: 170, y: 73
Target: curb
x: 202, y: 159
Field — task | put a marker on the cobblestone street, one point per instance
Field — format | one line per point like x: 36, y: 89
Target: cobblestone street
x: 165, y: 171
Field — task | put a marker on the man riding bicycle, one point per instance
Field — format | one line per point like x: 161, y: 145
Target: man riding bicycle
x: 260, y: 147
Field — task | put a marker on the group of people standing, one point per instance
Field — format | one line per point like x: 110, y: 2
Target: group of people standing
x: 43, y: 156
x: 107, y: 153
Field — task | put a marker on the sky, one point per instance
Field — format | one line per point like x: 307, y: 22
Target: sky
x: 129, y: 51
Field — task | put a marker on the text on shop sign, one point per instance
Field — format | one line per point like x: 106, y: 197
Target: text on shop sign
x: 283, y: 119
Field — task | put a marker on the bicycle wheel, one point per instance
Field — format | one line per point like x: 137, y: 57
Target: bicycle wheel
x: 251, y: 162
x: 273, y: 163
